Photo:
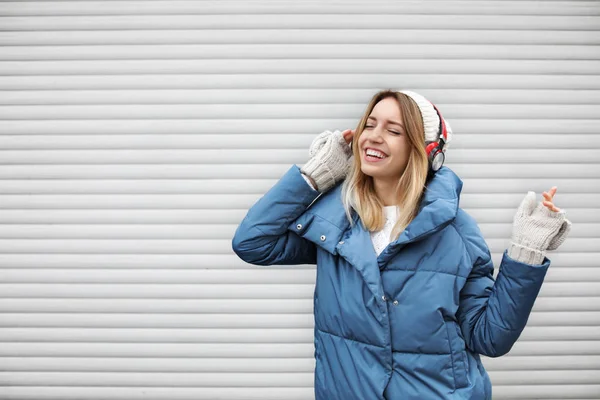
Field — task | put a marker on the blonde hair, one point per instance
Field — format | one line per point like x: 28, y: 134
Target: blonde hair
x: 358, y: 191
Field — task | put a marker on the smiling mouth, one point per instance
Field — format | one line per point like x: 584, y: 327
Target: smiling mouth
x: 370, y: 158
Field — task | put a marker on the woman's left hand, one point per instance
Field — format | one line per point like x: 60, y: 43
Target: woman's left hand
x: 565, y: 228
x: 540, y: 226
x: 548, y: 202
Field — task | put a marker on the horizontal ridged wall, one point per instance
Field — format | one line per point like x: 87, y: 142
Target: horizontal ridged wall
x: 135, y: 135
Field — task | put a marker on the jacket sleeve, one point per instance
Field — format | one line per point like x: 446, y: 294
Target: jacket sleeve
x: 263, y: 237
x: 493, y: 313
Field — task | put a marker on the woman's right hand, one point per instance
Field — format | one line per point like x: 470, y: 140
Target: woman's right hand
x: 329, y: 161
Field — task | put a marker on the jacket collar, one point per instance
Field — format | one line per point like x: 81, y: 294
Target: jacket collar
x: 326, y: 224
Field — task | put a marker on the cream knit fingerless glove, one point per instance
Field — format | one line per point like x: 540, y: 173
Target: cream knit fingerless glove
x: 535, y: 230
x: 329, y: 160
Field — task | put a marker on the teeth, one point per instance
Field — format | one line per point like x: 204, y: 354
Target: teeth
x: 375, y: 153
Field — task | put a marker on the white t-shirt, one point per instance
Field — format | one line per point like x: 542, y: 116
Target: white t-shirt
x: 381, y: 238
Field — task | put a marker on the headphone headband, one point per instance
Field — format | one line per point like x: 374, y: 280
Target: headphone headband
x: 442, y: 132
x: 435, y: 149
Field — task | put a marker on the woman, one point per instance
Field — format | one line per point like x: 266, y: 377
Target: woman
x: 405, y: 300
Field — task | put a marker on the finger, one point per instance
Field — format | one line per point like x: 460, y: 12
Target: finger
x: 547, y: 196
x: 551, y: 206
x: 528, y: 204
x: 348, y: 135
x: 346, y: 138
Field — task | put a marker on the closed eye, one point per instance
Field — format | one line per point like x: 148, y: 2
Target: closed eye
x: 394, y: 132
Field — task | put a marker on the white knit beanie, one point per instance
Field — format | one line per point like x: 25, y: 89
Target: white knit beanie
x: 431, y: 121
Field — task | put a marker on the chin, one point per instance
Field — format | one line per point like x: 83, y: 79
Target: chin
x: 369, y: 171
x: 382, y: 173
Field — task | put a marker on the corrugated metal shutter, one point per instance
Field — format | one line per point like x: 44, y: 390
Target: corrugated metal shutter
x: 135, y: 136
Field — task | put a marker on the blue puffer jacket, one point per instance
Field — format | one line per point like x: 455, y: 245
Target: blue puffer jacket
x: 411, y: 322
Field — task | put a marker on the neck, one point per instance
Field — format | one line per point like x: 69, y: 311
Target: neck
x: 386, y: 191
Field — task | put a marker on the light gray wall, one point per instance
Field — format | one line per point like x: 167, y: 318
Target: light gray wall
x: 135, y: 136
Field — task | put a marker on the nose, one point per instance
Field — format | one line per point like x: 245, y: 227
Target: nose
x: 374, y: 135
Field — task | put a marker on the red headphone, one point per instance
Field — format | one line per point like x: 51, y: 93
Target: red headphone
x: 435, y: 149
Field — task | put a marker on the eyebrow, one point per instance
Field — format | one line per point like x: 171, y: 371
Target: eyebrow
x: 390, y: 121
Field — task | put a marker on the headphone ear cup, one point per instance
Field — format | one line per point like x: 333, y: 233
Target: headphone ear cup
x: 431, y: 149
x: 437, y: 160
x: 435, y: 157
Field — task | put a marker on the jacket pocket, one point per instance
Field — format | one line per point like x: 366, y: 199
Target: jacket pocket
x: 458, y: 354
